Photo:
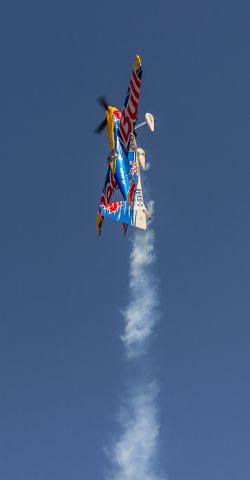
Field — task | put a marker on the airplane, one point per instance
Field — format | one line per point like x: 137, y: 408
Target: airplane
x: 124, y: 159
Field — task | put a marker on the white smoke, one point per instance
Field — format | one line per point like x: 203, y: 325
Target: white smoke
x: 140, y: 314
x: 147, y: 167
x: 133, y: 455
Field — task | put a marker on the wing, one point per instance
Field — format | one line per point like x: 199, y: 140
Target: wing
x: 129, y: 112
x: 122, y: 212
x: 110, y: 186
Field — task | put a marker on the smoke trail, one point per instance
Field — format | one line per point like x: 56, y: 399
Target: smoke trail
x: 134, y: 454
x: 140, y: 314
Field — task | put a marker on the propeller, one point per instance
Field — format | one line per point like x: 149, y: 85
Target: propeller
x: 101, y: 127
x: 104, y: 104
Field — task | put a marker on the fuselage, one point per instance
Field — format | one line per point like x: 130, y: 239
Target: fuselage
x: 113, y: 116
x: 118, y: 161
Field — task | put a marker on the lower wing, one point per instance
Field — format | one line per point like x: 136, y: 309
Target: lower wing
x: 124, y: 213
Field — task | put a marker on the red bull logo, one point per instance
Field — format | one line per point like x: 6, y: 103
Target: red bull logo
x: 112, y: 207
x: 107, y: 193
x: 129, y: 113
x: 109, y: 187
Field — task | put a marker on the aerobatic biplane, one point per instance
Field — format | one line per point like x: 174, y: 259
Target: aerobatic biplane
x: 125, y: 159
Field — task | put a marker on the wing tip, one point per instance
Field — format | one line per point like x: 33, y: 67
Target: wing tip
x: 137, y: 63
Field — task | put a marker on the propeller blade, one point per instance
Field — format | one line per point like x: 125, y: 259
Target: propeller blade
x: 103, y: 102
x: 101, y: 127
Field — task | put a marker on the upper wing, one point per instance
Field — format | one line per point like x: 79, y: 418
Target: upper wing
x: 129, y: 112
x: 110, y: 186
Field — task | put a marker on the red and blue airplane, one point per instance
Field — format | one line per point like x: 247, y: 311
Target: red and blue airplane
x: 124, y: 159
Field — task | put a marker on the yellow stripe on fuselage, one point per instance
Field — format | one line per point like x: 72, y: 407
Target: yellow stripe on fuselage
x: 110, y: 125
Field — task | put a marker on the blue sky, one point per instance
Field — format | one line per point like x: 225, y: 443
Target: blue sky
x: 62, y: 365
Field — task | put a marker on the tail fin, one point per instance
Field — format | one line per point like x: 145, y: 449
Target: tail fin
x: 122, y: 212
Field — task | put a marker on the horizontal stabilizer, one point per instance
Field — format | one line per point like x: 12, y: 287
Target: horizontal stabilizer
x: 122, y: 212
x: 150, y: 121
